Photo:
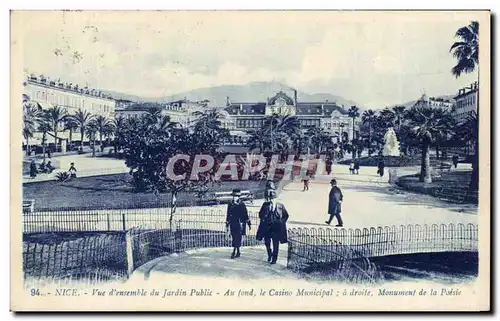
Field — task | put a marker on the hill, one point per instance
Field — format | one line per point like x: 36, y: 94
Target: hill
x: 251, y: 92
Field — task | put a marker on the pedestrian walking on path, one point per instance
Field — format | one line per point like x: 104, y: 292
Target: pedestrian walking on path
x: 334, y: 204
x: 356, y: 166
x: 236, y: 221
x: 455, y: 160
x: 72, y: 170
x: 381, y: 166
x: 351, y: 167
x: 272, y: 226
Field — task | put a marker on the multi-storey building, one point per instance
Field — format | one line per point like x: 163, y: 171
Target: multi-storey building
x: 434, y: 102
x: 327, y: 115
x: 48, y: 93
x: 466, y: 102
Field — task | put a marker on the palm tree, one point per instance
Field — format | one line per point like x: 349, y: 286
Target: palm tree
x: 103, y: 125
x: 427, y: 123
x: 119, y: 124
x: 90, y: 131
x: 290, y: 125
x: 353, y: 113
x: 56, y: 115
x: 318, y: 138
x: 44, y: 126
x: 82, y: 118
x: 466, y: 51
x: 152, y: 115
x: 31, y: 116
x: 70, y: 125
x: 399, y: 112
x: 368, y: 117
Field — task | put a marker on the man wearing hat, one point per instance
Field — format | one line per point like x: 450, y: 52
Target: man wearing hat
x: 272, y: 227
x: 236, y: 221
x: 334, y: 203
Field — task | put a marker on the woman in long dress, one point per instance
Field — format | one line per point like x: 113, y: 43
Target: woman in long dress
x: 236, y: 221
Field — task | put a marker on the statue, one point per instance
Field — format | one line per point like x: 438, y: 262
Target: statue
x: 391, y: 146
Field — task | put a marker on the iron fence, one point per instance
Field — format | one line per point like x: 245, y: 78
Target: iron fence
x: 348, y: 251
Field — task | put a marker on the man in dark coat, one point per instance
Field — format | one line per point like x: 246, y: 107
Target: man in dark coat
x: 272, y: 227
x: 328, y: 166
x: 236, y: 221
x: 455, y: 160
x: 381, y: 166
x: 33, y: 169
x: 334, y: 204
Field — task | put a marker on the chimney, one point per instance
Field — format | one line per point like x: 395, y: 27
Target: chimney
x: 295, y: 97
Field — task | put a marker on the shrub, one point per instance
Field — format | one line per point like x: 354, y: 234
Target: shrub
x: 62, y: 176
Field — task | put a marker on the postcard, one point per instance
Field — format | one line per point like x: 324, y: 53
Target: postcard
x: 250, y: 160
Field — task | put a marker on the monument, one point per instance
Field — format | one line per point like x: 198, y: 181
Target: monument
x: 391, y: 146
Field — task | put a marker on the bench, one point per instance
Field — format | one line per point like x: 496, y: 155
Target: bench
x: 227, y: 197
x: 28, y: 206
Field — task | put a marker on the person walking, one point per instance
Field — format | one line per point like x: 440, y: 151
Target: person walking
x: 236, y: 222
x: 272, y: 226
x: 381, y: 166
x: 335, y: 199
x: 351, y: 167
x: 33, y: 169
x: 356, y: 166
x: 72, y: 170
x: 328, y: 165
x: 455, y: 160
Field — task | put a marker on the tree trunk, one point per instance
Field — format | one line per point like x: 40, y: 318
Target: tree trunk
x: 100, y: 142
x: 70, y: 136
x: 474, y: 179
x: 369, y: 138
x: 173, y: 209
x: 425, y: 169
x: 55, y: 139
x: 93, y: 145
x: 82, y: 129
x: 27, y: 146
x: 437, y: 151
x: 43, y: 146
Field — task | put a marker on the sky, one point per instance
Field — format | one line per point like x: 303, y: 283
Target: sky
x: 376, y: 59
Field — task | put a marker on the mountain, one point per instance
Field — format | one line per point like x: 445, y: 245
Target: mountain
x: 251, y: 92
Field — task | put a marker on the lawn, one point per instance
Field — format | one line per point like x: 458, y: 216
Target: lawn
x: 113, y: 191
x: 451, y: 185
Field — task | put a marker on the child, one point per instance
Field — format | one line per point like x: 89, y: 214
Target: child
x: 351, y: 167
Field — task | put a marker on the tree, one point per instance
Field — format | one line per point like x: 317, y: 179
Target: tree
x: 353, y: 113
x: 55, y: 116
x: 148, y: 147
x: 70, y: 125
x: 44, y: 126
x: 368, y: 117
x: 119, y: 124
x: 104, y: 126
x: 466, y: 51
x: 426, y: 123
x: 31, y: 117
x: 318, y: 138
x: 82, y: 118
x: 91, y: 131
x: 289, y: 125
x: 399, y: 112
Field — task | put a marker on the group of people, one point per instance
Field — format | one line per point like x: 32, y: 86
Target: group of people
x: 44, y: 168
x: 354, y: 166
x: 49, y: 168
x: 272, y: 226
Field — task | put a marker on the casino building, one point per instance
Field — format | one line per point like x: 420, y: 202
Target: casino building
x: 333, y: 118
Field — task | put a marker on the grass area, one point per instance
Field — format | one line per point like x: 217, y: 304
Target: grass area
x: 450, y: 185
x: 114, y: 192
x: 389, y: 161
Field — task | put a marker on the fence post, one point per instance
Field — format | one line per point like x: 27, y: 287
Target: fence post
x: 128, y: 250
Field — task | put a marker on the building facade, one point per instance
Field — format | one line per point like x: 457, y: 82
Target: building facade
x: 435, y: 102
x: 466, y: 102
x: 332, y: 118
x: 48, y: 93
